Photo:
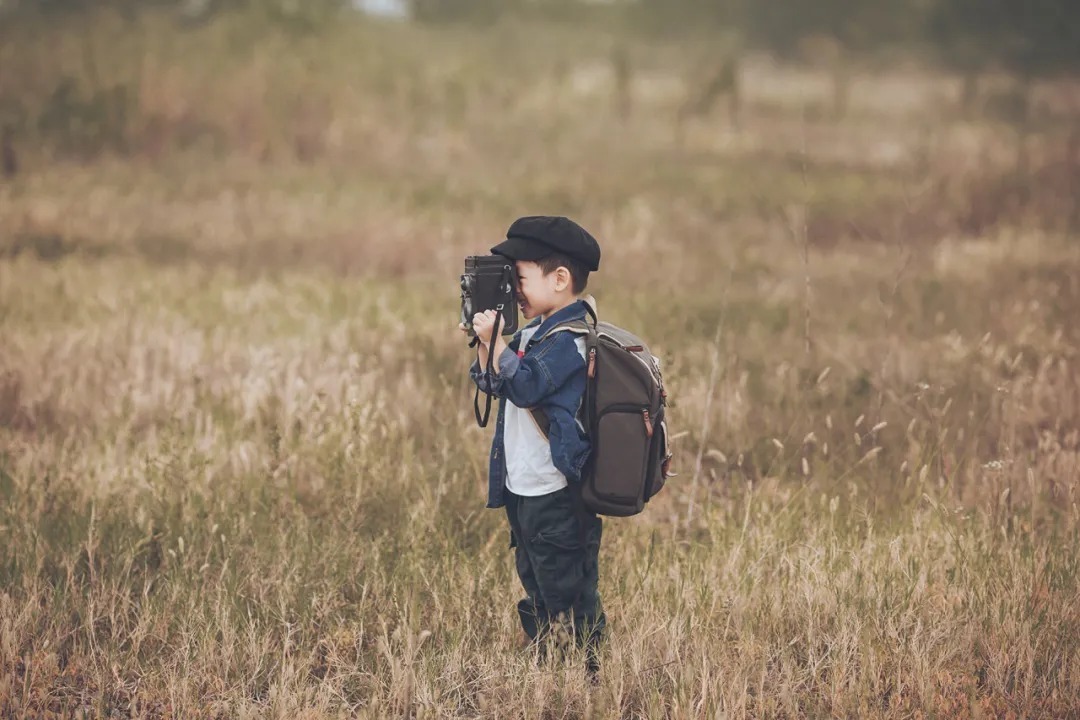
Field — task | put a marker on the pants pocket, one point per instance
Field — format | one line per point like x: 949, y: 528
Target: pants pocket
x: 559, y: 541
x: 559, y: 564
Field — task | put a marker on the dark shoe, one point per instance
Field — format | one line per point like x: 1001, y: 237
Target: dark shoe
x: 592, y: 672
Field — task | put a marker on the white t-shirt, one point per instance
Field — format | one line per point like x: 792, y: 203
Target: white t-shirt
x: 529, y: 470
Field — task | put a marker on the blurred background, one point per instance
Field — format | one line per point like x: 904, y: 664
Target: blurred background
x: 304, y: 126
x: 239, y: 473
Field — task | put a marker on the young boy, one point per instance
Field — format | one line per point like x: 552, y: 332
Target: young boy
x: 536, y: 477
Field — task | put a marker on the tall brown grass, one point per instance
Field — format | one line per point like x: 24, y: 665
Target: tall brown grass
x: 239, y: 475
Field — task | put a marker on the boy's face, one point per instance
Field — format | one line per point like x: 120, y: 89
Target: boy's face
x: 540, y: 294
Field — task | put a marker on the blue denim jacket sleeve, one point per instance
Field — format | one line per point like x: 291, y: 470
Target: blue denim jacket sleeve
x: 480, y: 377
x: 526, y: 381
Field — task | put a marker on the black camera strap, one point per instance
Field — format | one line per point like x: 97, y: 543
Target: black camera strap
x: 482, y: 420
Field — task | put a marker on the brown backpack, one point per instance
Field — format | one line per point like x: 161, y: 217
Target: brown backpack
x: 623, y: 413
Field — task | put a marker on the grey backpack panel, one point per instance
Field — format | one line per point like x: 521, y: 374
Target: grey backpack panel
x: 623, y: 412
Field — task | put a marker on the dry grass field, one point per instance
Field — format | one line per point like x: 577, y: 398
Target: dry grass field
x: 239, y: 473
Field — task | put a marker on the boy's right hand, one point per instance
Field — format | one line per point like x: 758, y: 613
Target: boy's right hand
x: 483, y: 324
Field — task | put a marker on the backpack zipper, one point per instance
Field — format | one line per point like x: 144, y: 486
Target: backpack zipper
x: 648, y: 422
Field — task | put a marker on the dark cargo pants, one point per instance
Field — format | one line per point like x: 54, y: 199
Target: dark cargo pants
x: 557, y: 556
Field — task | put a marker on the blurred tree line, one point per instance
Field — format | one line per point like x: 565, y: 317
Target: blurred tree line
x: 298, y: 14
x: 1032, y: 38
x: 1027, y: 39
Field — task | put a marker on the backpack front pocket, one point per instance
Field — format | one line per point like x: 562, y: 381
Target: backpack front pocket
x: 621, y: 446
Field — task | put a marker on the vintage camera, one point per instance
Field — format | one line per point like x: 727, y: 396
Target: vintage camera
x: 489, y: 283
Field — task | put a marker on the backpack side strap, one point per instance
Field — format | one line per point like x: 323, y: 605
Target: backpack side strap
x: 543, y: 424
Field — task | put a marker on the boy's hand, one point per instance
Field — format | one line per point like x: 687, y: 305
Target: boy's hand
x: 483, y: 323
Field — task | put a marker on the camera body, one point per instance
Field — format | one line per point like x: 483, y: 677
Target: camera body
x: 489, y: 283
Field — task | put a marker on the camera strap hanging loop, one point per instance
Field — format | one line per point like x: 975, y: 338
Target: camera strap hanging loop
x: 482, y: 421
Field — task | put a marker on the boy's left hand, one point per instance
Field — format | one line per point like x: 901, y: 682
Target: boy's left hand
x: 483, y: 323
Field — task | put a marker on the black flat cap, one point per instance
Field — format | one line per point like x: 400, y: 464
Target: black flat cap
x: 537, y: 236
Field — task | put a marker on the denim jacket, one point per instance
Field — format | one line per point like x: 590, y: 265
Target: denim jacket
x: 551, y: 375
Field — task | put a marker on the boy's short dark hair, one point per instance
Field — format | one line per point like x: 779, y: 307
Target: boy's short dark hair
x: 579, y: 275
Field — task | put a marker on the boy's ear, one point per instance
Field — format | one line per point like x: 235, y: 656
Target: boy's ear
x: 562, y: 278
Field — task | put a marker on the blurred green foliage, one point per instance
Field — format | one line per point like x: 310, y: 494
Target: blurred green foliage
x: 90, y: 94
x: 1032, y: 38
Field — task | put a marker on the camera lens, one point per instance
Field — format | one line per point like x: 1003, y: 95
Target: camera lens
x: 466, y: 284
x: 467, y: 311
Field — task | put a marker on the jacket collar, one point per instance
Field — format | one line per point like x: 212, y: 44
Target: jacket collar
x: 573, y: 311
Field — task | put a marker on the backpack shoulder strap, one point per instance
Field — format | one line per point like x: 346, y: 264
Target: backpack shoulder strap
x: 577, y: 327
